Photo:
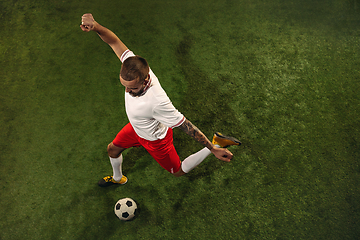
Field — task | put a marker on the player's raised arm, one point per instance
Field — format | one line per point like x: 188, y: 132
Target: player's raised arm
x: 88, y: 24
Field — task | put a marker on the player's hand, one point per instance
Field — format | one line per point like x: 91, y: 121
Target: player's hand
x: 222, y: 154
x: 87, y: 22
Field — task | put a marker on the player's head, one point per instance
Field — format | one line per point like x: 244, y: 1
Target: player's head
x: 134, y: 75
x: 134, y: 68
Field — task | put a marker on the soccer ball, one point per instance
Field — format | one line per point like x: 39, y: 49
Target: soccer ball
x: 125, y: 209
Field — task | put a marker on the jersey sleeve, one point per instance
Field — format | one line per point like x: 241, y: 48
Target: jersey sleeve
x: 168, y: 115
x: 126, y: 55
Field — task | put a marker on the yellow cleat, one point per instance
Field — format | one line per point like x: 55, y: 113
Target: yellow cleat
x: 224, y: 141
x: 108, y: 181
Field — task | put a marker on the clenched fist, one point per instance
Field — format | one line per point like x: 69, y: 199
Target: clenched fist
x: 87, y: 22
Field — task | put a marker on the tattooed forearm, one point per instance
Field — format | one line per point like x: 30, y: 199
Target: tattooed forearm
x: 195, y: 133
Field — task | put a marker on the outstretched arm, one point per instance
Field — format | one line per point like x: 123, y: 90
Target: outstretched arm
x: 88, y: 24
x: 190, y: 129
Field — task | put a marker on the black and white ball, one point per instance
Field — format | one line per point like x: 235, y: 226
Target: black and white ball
x: 125, y: 209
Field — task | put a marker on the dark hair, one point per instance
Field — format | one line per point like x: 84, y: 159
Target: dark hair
x: 133, y: 68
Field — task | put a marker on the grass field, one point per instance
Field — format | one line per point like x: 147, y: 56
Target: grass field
x: 283, y: 76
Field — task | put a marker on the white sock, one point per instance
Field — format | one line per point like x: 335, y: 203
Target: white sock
x: 116, y: 165
x: 195, y: 159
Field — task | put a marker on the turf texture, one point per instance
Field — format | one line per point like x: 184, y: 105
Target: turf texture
x: 283, y: 76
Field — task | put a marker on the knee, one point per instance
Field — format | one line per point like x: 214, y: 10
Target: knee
x: 179, y: 173
x: 113, y: 151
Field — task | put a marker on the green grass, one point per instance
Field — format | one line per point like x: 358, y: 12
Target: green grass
x: 283, y: 76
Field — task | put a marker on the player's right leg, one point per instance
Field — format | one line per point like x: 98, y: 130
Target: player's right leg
x: 126, y: 138
x: 116, y: 160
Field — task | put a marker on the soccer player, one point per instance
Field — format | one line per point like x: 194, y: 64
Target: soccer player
x: 151, y: 116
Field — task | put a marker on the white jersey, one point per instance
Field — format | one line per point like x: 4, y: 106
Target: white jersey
x: 152, y: 113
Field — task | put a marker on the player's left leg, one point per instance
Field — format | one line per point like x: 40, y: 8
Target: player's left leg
x: 163, y: 151
x: 179, y: 173
x: 195, y: 159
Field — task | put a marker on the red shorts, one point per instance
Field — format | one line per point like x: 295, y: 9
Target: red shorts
x: 162, y: 150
